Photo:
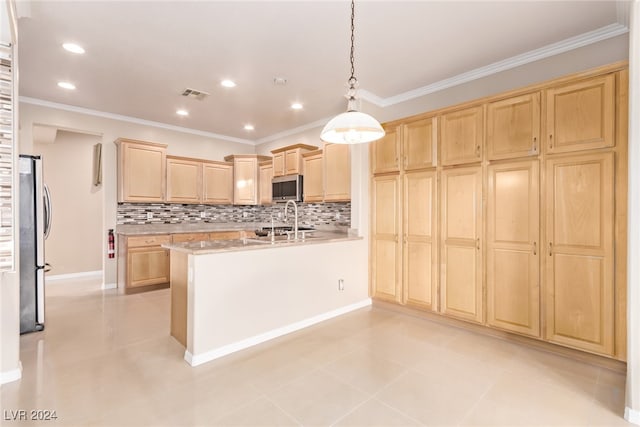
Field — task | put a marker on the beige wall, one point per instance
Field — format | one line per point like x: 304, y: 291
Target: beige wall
x: 75, y: 242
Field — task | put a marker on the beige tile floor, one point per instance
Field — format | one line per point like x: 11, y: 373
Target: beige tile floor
x: 108, y: 360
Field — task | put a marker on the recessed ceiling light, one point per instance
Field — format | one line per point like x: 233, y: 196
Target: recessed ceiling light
x: 296, y: 106
x: 228, y: 83
x: 182, y: 112
x: 249, y: 127
x: 66, y: 85
x: 73, y: 48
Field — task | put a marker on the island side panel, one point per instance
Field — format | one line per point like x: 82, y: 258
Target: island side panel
x: 240, y: 296
x: 179, y: 277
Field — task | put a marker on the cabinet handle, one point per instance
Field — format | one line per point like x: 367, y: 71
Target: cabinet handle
x: 550, y: 249
x: 477, y: 150
x: 535, y: 144
x: 550, y: 140
x: 405, y: 161
x: 478, y: 243
x: 535, y: 248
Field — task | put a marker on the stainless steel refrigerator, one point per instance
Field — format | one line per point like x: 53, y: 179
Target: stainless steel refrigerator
x: 35, y: 224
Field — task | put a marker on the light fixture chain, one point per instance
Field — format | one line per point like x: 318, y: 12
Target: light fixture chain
x: 352, y: 79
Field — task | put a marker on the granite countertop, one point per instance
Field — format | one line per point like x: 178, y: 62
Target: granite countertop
x: 205, y: 227
x: 215, y: 246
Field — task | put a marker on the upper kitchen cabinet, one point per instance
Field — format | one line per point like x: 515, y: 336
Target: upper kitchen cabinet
x: 217, y: 183
x: 581, y: 115
x: 245, y: 177
x: 337, y: 173
x: 385, y: 152
x: 418, y: 143
x: 513, y: 127
x: 313, y: 176
x: 265, y: 177
x: 288, y: 160
x: 141, y: 171
x: 184, y: 180
x: 461, y: 135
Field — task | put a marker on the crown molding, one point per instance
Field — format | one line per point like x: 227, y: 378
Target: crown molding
x: 604, y: 33
x: 128, y: 119
x: 293, y: 131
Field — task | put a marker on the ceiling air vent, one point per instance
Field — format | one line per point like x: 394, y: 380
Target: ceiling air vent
x: 197, y: 94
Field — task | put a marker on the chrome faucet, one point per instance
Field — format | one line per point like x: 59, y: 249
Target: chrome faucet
x: 295, y: 219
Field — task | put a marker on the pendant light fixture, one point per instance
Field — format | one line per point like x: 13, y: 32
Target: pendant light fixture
x: 352, y: 127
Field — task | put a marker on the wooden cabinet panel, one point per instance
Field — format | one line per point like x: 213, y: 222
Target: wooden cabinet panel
x: 141, y: 171
x: 513, y: 127
x: 189, y: 237
x: 579, y: 286
x: 148, y: 240
x: 337, y: 172
x: 513, y: 237
x: 183, y: 180
x: 385, y: 229
x: 288, y: 160
x: 147, y: 266
x: 419, y: 243
x: 461, y: 134
x: 266, y: 175
x: 217, y: 183
x: 581, y: 115
x: 461, y: 232
x: 278, y: 164
x: 313, y: 182
x: 225, y: 235
x: 418, y: 143
x: 385, y: 152
x: 292, y: 162
x: 245, y: 177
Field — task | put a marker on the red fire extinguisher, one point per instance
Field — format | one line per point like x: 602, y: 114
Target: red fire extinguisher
x: 112, y: 244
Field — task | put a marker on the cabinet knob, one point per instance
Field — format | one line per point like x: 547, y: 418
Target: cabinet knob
x: 478, y: 150
x: 478, y: 243
x: 550, y: 249
x: 535, y: 248
x: 550, y: 140
x: 535, y: 144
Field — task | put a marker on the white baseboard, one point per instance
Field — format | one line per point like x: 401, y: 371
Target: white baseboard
x: 198, y: 359
x: 106, y: 286
x: 81, y: 275
x: 10, y: 376
x: 632, y: 415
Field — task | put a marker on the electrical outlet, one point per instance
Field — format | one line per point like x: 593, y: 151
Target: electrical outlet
x: 279, y: 214
x: 149, y: 215
x: 338, y: 215
x: 341, y: 284
x: 203, y: 214
x: 245, y: 214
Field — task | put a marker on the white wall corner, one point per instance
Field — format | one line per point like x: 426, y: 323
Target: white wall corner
x: 632, y: 416
x: 12, y: 375
x: 106, y: 286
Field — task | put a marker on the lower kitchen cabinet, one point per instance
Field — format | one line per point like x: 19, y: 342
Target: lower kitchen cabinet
x: 146, y: 262
x: 386, y: 251
x: 579, y: 285
x: 513, y: 240
x: 461, y: 231
x: 419, y: 248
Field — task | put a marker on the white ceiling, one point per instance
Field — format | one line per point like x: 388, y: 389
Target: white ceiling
x: 140, y: 56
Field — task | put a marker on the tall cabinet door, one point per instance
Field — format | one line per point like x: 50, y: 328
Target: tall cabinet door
x: 386, y: 253
x: 579, y: 286
x: 461, y: 233
x: 419, y: 241
x: 513, y: 237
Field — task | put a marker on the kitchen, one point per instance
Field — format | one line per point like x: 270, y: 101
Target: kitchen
x: 112, y: 127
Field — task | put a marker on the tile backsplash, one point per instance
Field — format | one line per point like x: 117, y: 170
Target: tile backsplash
x: 309, y: 214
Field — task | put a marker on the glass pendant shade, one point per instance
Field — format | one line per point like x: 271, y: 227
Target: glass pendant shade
x: 352, y: 127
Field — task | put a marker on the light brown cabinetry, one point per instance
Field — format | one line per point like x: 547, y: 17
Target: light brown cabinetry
x: 141, y: 171
x: 288, y: 160
x: 385, y: 152
x: 461, y: 230
x: 245, y: 178
x: 147, y: 263
x: 184, y: 180
x: 337, y: 172
x: 313, y: 176
x: 418, y: 144
x: 513, y: 127
x: 386, y: 250
x: 265, y: 176
x: 217, y: 183
x: 513, y: 247
x: 189, y: 237
x: 579, y: 285
x: 581, y: 115
x: 419, y: 248
x: 461, y: 136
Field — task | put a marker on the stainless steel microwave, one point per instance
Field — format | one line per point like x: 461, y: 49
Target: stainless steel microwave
x: 287, y: 188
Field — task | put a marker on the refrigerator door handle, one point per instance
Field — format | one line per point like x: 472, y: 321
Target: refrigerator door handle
x: 47, y: 211
x: 47, y: 267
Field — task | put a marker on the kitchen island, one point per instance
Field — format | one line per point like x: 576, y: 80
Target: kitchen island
x: 229, y: 295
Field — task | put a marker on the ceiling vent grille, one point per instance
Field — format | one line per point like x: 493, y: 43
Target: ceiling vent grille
x: 196, y: 94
